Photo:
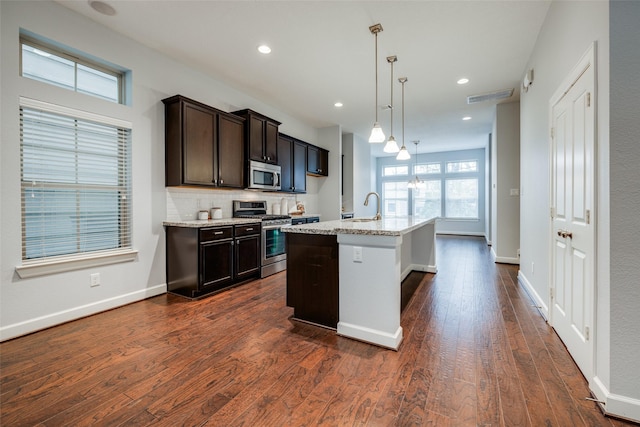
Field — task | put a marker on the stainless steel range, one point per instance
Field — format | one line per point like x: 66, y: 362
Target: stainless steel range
x: 274, y: 249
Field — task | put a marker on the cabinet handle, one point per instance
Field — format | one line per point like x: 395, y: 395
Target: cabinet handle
x: 268, y: 158
x: 215, y: 181
x: 319, y: 170
x: 250, y: 229
x: 218, y: 232
x: 221, y: 181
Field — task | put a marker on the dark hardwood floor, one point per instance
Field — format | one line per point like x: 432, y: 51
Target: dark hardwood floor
x: 475, y: 352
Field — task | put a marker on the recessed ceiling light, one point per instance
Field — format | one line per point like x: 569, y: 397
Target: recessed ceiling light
x: 463, y: 81
x: 263, y: 48
x: 338, y: 104
x: 102, y: 7
x: 466, y: 118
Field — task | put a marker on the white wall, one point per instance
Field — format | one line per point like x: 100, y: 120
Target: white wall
x: 30, y: 304
x: 363, y: 166
x: 624, y: 148
x: 505, y: 177
x: 329, y: 198
x: 569, y: 29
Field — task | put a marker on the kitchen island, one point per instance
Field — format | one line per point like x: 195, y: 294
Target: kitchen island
x: 367, y: 260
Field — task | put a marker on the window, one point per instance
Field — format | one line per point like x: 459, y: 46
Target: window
x: 426, y: 168
x: 452, y: 184
x: 59, y: 68
x: 461, y: 198
x: 395, y: 170
x: 460, y: 167
x: 395, y: 199
x: 75, y: 179
x: 427, y: 200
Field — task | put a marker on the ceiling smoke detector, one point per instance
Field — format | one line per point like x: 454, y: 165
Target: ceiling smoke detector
x: 491, y: 96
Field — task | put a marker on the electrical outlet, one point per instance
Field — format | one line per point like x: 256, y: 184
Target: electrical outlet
x: 94, y: 280
x: 357, y: 254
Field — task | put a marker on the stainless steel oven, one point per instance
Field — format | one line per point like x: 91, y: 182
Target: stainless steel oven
x: 273, y: 247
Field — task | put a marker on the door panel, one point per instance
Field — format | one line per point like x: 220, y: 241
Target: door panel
x: 572, y: 150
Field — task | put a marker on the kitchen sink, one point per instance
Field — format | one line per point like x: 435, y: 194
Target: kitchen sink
x: 361, y: 219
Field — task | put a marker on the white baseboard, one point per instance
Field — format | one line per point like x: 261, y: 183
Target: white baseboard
x: 461, y: 233
x: 418, y: 267
x: 506, y: 260
x: 615, y: 404
x: 537, y: 299
x: 33, y: 325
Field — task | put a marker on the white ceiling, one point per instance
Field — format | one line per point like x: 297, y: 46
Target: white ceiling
x: 323, y: 52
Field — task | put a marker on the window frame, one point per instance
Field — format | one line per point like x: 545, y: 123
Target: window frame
x: 78, y: 260
x: 35, y: 43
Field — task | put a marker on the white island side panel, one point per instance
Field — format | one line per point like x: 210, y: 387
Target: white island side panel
x: 370, y: 292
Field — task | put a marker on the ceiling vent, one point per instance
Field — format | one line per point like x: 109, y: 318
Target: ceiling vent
x: 491, y: 96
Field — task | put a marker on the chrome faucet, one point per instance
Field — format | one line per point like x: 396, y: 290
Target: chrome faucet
x: 366, y: 203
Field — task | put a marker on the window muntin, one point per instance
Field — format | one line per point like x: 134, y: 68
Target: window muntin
x: 462, y: 166
x: 75, y: 179
x: 56, y: 67
x: 461, y: 198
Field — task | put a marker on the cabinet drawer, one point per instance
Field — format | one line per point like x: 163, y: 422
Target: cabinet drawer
x: 247, y: 230
x: 218, y: 233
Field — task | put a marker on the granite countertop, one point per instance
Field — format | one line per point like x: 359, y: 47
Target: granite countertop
x: 201, y: 223
x: 383, y: 227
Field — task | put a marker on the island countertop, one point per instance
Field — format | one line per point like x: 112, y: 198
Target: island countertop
x: 385, y: 227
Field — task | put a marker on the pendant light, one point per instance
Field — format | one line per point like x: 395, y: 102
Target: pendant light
x: 392, y: 145
x: 377, y: 135
x: 403, y: 154
x: 415, y: 182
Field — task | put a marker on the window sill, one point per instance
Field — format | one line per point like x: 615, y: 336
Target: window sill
x: 61, y: 265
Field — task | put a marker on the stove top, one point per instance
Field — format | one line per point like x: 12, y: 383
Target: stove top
x: 258, y: 210
x: 264, y: 217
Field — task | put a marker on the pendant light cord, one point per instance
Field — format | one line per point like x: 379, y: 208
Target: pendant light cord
x: 376, y: 77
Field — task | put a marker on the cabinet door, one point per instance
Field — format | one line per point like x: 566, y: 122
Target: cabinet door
x: 271, y: 142
x: 256, y: 138
x: 216, y: 264
x: 317, y: 161
x: 230, y: 162
x: 285, y: 161
x: 299, y: 167
x: 198, y: 139
x: 312, y: 278
x: 247, y: 256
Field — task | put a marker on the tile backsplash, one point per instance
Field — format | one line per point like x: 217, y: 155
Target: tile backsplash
x: 183, y: 204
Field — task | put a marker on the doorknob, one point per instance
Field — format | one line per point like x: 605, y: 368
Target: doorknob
x: 565, y: 234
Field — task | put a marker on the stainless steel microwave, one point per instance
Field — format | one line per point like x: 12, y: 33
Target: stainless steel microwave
x: 263, y: 176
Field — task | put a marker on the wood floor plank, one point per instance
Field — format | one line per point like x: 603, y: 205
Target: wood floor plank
x: 475, y: 352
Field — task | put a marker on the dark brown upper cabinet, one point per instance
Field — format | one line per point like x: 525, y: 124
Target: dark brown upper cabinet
x: 317, y: 161
x: 292, y: 158
x: 261, y: 134
x: 203, y: 145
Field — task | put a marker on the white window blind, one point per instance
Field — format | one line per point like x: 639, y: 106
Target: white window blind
x: 76, y: 192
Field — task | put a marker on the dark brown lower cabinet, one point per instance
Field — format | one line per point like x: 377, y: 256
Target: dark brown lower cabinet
x: 202, y: 261
x: 312, y: 278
